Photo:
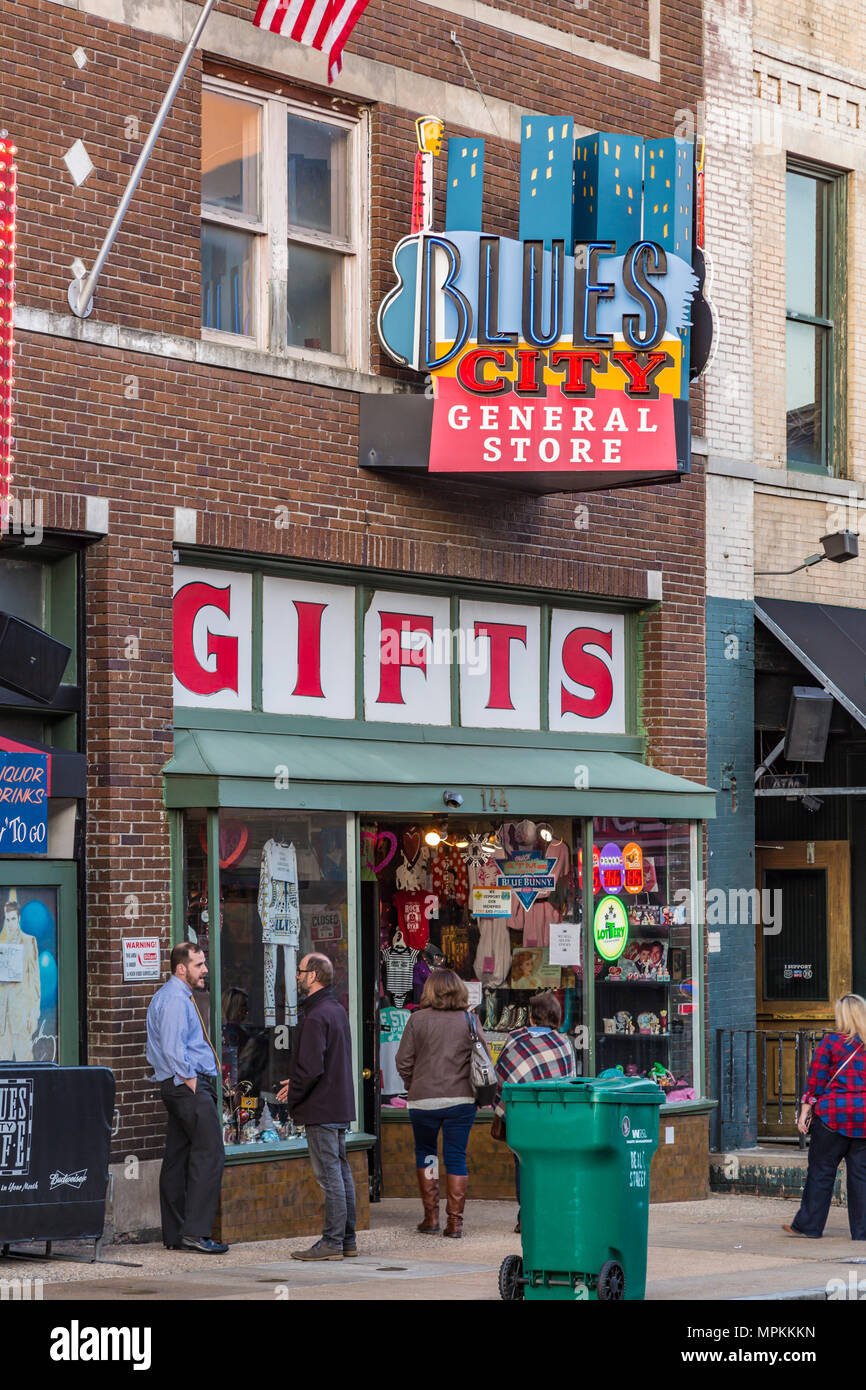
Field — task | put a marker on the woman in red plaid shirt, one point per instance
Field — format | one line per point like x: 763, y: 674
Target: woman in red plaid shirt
x: 536, y: 1053
x: 833, y: 1112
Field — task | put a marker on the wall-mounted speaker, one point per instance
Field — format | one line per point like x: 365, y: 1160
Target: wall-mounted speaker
x: 31, y: 662
x: 808, y: 725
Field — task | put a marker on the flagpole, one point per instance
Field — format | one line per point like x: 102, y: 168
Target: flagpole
x: 80, y: 292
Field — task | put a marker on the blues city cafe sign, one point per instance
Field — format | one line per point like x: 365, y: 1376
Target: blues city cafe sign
x: 561, y: 359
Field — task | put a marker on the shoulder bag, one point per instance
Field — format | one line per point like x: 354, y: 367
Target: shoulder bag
x: 481, y: 1073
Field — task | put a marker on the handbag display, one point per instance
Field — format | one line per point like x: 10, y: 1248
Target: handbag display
x: 481, y: 1073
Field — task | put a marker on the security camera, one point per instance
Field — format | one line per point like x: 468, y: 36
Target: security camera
x: 453, y: 800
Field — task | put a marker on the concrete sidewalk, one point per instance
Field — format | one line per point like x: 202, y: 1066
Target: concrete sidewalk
x: 729, y: 1247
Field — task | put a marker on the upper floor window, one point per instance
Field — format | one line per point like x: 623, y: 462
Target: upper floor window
x: 282, y: 226
x: 814, y: 291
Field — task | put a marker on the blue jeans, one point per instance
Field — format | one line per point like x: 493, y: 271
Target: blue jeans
x: 327, y: 1145
x: 455, y: 1122
x: 827, y: 1148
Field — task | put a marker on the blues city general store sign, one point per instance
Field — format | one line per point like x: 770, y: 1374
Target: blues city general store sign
x: 561, y: 359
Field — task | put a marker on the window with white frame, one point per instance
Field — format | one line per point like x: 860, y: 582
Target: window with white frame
x: 281, y: 225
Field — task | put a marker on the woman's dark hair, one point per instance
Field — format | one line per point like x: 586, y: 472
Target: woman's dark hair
x: 544, y: 1010
x: 443, y: 989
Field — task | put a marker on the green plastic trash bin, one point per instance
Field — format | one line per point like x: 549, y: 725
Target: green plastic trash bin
x: 585, y: 1147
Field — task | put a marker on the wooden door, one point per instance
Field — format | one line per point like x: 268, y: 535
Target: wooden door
x: 803, y: 953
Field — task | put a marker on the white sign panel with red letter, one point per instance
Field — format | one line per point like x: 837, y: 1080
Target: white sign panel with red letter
x: 499, y: 666
x: 213, y: 616
x: 587, y: 671
x: 308, y: 666
x: 407, y: 659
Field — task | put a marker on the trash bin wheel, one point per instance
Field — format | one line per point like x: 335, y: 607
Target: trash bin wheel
x: 610, y: 1284
x: 511, y: 1278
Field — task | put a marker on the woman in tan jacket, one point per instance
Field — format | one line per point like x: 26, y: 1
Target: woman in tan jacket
x: 433, y: 1059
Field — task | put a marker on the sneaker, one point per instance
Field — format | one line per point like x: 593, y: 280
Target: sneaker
x: 322, y: 1250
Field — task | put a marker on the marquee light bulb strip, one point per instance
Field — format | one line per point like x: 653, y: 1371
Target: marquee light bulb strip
x: 8, y: 180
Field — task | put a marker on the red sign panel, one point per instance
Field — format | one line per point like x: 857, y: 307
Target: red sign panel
x: 553, y: 434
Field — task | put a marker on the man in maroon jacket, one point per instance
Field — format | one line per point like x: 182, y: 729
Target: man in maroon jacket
x: 321, y: 1097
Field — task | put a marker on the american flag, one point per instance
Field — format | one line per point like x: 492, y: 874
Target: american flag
x: 321, y: 24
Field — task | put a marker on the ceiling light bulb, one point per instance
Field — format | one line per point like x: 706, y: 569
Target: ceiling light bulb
x: 546, y: 834
x: 432, y: 838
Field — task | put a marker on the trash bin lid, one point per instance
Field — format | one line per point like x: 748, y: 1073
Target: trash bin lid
x: 583, y: 1090
x: 619, y: 1090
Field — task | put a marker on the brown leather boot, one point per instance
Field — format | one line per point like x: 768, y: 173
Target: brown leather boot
x: 455, y: 1201
x: 428, y: 1186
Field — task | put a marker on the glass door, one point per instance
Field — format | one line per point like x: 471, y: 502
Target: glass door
x: 803, y: 965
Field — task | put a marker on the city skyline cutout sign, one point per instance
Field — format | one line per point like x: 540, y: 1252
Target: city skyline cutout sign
x: 562, y: 355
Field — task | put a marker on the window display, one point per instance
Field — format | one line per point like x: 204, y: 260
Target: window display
x: 642, y: 934
x: 479, y: 898
x: 283, y: 892
x: 28, y: 975
x: 500, y: 902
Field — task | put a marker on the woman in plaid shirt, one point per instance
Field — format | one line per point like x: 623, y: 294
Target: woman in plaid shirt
x: 536, y: 1053
x: 833, y: 1111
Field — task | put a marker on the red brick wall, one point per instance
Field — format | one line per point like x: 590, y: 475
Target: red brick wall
x: 237, y: 446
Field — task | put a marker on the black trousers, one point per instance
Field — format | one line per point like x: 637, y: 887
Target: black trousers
x: 193, y: 1160
x: 827, y: 1148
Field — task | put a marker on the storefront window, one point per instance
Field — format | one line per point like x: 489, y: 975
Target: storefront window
x: 484, y: 898
x: 283, y: 892
x: 642, y: 930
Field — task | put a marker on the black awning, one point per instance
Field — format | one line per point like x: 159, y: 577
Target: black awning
x: 830, y: 642
x: 67, y: 772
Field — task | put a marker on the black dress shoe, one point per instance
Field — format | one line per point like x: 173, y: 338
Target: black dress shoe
x: 205, y: 1244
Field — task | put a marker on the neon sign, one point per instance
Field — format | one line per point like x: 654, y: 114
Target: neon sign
x: 612, y: 869
x: 8, y: 179
x: 610, y: 928
x: 632, y: 857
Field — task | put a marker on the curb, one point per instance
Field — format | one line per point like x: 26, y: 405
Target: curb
x: 789, y: 1296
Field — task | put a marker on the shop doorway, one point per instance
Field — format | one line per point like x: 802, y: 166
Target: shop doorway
x: 803, y: 948
x: 418, y: 911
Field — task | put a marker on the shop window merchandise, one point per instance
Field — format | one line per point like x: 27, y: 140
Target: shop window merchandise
x: 283, y: 892
x: 499, y: 901
x: 478, y: 897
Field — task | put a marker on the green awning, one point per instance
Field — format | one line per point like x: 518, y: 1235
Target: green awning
x: 217, y: 767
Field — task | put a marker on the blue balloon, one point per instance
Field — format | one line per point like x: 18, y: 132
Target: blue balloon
x: 38, y: 921
x: 48, y: 980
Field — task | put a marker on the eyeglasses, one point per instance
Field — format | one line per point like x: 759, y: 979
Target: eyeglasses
x: 308, y: 971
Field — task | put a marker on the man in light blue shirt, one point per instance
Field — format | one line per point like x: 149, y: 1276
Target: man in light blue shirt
x: 185, y: 1066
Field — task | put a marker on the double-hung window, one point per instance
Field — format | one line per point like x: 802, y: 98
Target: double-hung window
x: 282, y: 226
x: 814, y: 280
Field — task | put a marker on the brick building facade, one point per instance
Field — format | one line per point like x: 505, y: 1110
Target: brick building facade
x: 141, y: 437
x: 784, y: 120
